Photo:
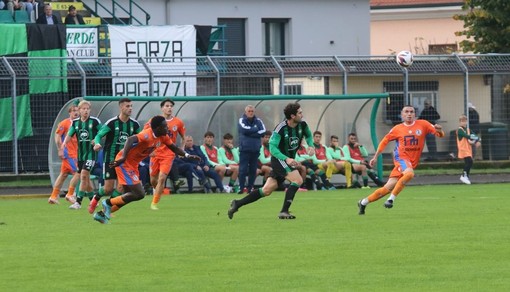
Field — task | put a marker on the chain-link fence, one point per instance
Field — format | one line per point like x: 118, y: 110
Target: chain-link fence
x: 448, y: 83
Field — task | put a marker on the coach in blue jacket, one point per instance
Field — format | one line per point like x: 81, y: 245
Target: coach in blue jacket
x: 250, y: 129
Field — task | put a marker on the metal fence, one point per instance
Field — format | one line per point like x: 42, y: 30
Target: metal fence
x: 447, y: 82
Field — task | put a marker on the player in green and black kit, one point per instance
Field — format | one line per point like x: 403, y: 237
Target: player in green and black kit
x: 85, y: 128
x: 116, y: 130
x: 283, y: 145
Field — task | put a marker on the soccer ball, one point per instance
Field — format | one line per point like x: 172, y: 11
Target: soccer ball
x: 405, y: 58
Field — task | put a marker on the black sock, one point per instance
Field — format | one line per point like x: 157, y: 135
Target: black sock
x: 289, y: 197
x: 250, y: 198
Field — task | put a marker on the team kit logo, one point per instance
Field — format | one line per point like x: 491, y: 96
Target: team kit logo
x: 293, y: 143
x: 84, y: 135
x: 123, y: 136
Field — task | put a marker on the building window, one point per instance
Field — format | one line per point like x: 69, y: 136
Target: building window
x: 419, y: 91
x: 275, y: 36
x: 235, y: 35
x: 293, y: 89
x: 445, y: 49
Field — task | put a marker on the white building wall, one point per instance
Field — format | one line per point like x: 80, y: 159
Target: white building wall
x: 317, y: 27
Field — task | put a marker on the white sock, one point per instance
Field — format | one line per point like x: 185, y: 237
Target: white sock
x: 364, y: 202
x: 392, y: 197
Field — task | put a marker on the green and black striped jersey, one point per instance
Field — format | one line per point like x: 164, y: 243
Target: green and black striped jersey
x: 116, y: 132
x: 285, y: 141
x: 85, y: 131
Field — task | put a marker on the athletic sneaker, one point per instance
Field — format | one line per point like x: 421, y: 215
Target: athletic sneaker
x: 232, y: 210
x: 75, y: 206
x: 53, y: 201
x: 388, y: 204
x: 154, y: 206
x: 107, y: 210
x: 286, y: 215
x: 100, y: 217
x: 227, y: 188
x: 361, y: 208
x: 365, y: 187
x: 71, y: 199
x: 465, y: 180
x: 92, y: 205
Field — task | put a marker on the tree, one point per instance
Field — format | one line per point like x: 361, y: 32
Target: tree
x: 487, y: 26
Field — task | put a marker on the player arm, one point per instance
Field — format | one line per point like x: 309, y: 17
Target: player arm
x: 462, y: 134
x: 102, y: 132
x: 211, y: 163
x: 382, y: 145
x: 347, y: 155
x: 235, y: 152
x: 262, y: 156
x: 274, y: 141
x: 363, y: 151
x: 130, y: 142
x: 222, y: 157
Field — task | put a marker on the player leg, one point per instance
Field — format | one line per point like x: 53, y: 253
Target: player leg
x: 407, y: 174
x: 295, y: 179
x: 380, y: 192
x: 270, y: 186
x: 252, y: 169
x: 244, y: 161
x: 160, y: 169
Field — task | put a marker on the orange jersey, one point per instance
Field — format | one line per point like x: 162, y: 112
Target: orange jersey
x: 410, y: 140
x: 175, y: 127
x: 147, y: 143
x: 465, y: 149
x: 71, y: 149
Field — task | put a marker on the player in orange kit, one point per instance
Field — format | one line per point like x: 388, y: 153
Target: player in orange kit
x: 69, y: 156
x: 162, y: 158
x: 409, y: 137
x: 136, y: 148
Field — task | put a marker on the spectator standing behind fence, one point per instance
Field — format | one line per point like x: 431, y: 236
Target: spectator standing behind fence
x: 430, y: 114
x: 465, y: 141
x: 251, y: 129
x: 48, y: 17
x: 73, y: 17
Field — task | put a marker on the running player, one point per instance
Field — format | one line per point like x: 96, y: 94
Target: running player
x: 162, y: 158
x: 136, y: 148
x: 410, y: 139
x: 283, y: 145
x: 117, y: 130
x: 85, y: 128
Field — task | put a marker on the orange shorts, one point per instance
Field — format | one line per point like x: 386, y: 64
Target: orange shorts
x: 161, y: 165
x: 127, y: 175
x: 69, y: 165
x: 400, y: 166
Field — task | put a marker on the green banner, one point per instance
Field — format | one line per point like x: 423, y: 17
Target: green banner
x: 24, y: 121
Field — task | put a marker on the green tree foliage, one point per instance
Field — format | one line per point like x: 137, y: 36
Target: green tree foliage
x: 486, y: 26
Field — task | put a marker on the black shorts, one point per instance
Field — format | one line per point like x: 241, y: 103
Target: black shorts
x: 309, y: 164
x: 280, y: 169
x: 86, y: 165
x: 108, y: 172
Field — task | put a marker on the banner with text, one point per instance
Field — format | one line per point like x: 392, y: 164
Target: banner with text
x: 82, y: 42
x: 170, y: 48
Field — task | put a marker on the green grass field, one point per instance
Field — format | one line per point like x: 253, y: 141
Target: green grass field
x: 436, y: 238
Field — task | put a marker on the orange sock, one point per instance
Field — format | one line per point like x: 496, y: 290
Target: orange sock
x: 54, y: 193
x: 70, y: 191
x: 402, y: 183
x: 119, y: 201
x: 156, y: 198
x: 379, y: 193
x: 115, y: 208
